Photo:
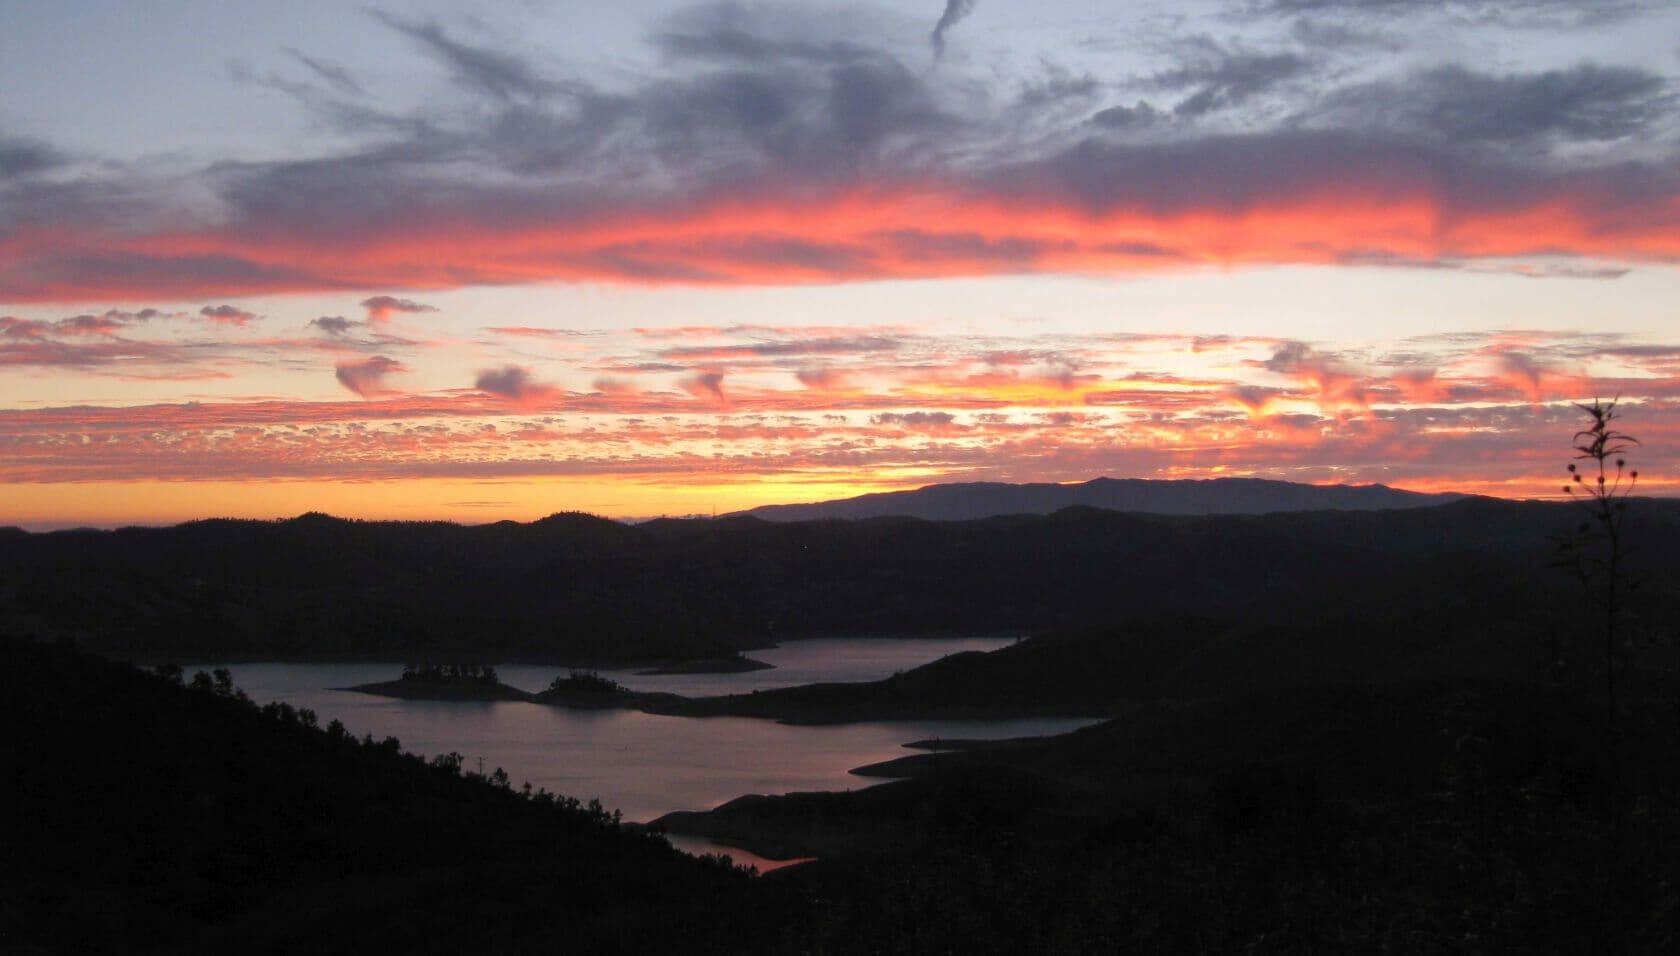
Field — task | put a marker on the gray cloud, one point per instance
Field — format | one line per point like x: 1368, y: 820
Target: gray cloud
x: 108, y: 323
x: 829, y: 345
x: 1229, y: 173
x: 737, y: 35
x: 334, y: 75
x: 23, y: 157
x: 511, y: 381
x: 1453, y: 104
x: 334, y: 325
x: 754, y: 96
x: 914, y: 419
x: 367, y: 377
x: 1288, y: 357
x: 227, y: 315
x: 770, y: 102
x: 1517, y: 13
x: 1219, y: 77
x: 13, y: 327
x: 494, y: 72
x: 1126, y: 117
x: 955, y: 12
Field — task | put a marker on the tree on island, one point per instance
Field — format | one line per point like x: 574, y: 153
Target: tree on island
x: 428, y: 672
x: 585, y: 682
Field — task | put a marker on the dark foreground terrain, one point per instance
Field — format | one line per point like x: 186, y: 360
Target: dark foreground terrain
x: 1417, y: 754
x: 143, y: 814
x: 1430, y: 815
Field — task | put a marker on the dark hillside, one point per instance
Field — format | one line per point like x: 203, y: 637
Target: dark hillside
x: 1406, y: 817
x: 575, y: 589
x: 143, y: 814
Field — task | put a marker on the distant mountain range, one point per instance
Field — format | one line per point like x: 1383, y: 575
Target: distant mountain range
x: 970, y: 501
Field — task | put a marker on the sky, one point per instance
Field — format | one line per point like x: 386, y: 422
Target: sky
x: 486, y: 261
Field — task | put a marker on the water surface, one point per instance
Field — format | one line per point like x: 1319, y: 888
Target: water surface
x: 646, y: 765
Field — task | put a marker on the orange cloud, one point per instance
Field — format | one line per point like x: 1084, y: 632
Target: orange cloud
x: 1535, y: 380
x: 1420, y: 385
x: 882, y: 231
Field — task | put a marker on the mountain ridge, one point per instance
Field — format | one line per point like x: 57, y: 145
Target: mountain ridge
x: 967, y: 501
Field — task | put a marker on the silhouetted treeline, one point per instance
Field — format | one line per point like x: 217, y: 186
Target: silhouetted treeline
x: 587, y: 682
x: 578, y: 589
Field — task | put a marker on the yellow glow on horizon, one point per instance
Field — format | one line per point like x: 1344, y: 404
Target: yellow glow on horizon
x: 111, y: 504
x: 115, y: 504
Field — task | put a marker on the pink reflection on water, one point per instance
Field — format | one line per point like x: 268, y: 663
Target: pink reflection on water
x: 699, y: 846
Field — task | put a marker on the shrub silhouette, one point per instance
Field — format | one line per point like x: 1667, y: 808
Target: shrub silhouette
x: 1595, y: 549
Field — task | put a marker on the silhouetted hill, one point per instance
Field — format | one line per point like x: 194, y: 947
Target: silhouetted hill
x: 968, y: 501
x: 580, y: 590
x: 143, y: 815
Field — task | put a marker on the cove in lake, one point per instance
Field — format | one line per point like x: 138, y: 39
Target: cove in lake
x: 646, y: 765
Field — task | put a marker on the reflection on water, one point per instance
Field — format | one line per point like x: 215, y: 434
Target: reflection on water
x: 700, y: 846
x: 645, y: 764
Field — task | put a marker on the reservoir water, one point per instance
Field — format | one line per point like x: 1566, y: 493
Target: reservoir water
x: 642, y: 764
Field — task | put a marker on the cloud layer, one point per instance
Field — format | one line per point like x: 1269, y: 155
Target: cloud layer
x: 764, y: 153
x: 754, y: 405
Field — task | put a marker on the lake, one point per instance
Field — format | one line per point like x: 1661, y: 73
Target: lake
x: 646, y: 765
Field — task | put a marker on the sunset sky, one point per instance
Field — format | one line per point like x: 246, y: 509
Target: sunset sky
x: 496, y: 260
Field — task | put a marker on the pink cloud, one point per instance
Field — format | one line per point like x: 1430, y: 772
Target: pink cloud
x: 380, y: 308
x: 821, y: 378
x: 705, y: 385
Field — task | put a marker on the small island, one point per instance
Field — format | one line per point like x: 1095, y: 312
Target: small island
x: 429, y: 681
x: 587, y: 690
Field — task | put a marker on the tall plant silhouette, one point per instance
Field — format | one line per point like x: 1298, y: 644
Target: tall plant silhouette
x: 1601, y: 488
